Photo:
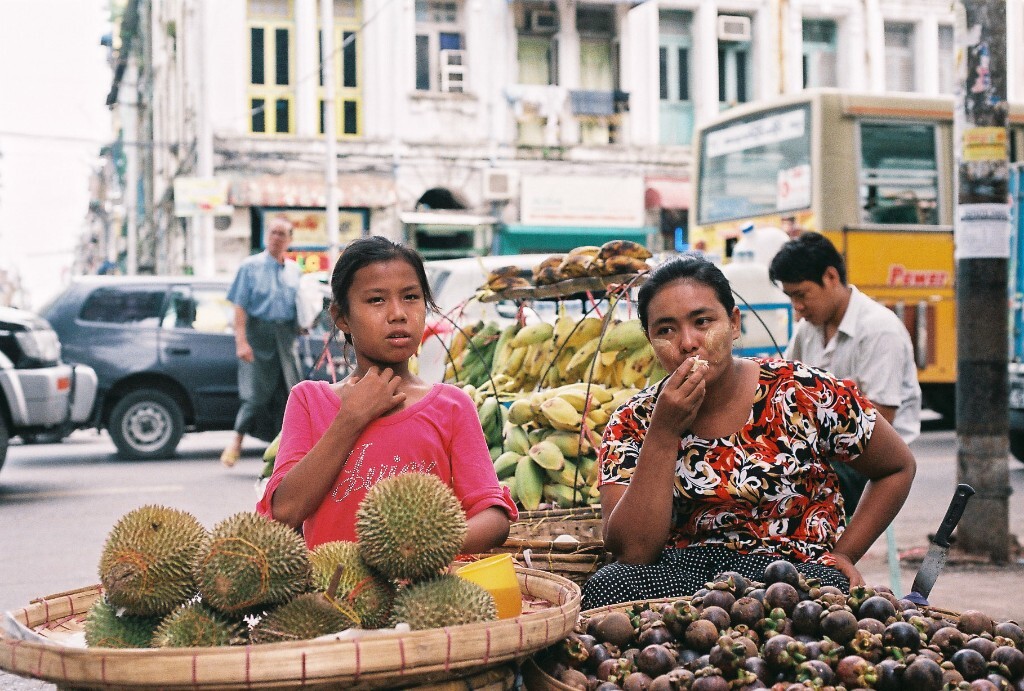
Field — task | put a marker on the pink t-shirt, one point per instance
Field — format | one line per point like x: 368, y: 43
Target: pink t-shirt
x: 439, y: 434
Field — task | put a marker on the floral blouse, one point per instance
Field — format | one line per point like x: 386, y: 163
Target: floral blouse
x: 768, y: 488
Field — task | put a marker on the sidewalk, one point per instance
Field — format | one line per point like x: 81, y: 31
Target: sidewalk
x: 963, y: 584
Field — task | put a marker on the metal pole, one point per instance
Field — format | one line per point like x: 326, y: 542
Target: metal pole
x: 330, y: 131
x: 982, y: 235
x: 203, y: 225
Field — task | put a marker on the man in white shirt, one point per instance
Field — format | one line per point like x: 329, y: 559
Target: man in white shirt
x: 844, y: 331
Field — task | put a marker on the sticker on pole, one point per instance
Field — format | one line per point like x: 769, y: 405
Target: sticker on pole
x: 982, y: 231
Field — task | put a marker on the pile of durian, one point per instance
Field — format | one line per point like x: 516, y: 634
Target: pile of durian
x: 168, y: 582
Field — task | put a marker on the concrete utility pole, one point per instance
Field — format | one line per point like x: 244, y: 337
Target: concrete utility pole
x: 982, y: 236
x: 330, y: 131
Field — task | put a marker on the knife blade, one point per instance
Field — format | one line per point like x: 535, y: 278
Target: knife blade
x: 935, y: 559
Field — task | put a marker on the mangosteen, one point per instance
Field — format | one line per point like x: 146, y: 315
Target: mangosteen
x: 970, y: 663
x: 816, y: 672
x: 782, y: 652
x: 868, y: 645
x: 662, y: 683
x: 923, y: 674
x: 716, y: 615
x: 983, y: 685
x: 984, y: 645
x: 615, y: 628
x: 678, y: 615
x: 686, y: 656
x: 876, y: 607
x: 758, y: 667
x: 871, y: 625
x: 608, y: 669
x: 648, y: 615
x: 889, y: 675
x: 637, y: 681
x: 781, y: 571
x: 781, y: 595
x: 854, y: 671
x: 738, y: 582
x: 655, y: 660
x: 718, y: 598
x: 701, y: 635
x: 746, y: 611
x: 630, y: 654
x: 1011, y: 630
x: 948, y: 640
x: 598, y: 654
x: 806, y: 617
x: 574, y: 678
x: 840, y: 625
x: 902, y: 635
x: 999, y: 681
x: 700, y: 663
x: 728, y: 655
x: 711, y: 682
x: 1009, y: 661
x: 607, y: 686
x: 950, y: 677
x: 756, y: 593
x: 931, y: 655
x: 973, y: 621
x: 655, y: 633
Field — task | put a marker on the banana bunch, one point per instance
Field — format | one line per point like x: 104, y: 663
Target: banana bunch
x: 471, y: 353
x: 620, y: 257
x: 549, y: 444
x: 505, y: 277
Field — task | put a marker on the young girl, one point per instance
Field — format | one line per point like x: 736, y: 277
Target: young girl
x: 727, y: 463
x: 338, y: 440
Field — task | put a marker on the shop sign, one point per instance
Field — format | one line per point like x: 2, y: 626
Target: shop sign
x: 201, y: 197
x: 582, y: 201
x: 310, y: 261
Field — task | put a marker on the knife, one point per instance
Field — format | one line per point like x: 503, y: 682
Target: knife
x: 936, y: 556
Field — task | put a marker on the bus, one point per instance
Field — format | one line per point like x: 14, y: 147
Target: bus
x: 875, y: 173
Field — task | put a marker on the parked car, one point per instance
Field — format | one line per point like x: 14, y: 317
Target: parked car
x: 39, y: 394
x: 164, y: 353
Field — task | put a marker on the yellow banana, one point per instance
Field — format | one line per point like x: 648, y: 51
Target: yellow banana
x: 529, y: 483
x: 534, y: 333
x: 624, y: 336
x: 547, y: 455
x: 580, y: 361
x: 505, y: 464
x: 568, y: 475
x: 597, y: 418
x: 516, y: 440
x: 569, y: 443
x: 565, y: 497
x: 589, y: 328
x: 563, y: 325
x: 510, y: 482
x: 503, y: 348
x: 519, y: 413
x: 627, y: 248
x: 561, y: 414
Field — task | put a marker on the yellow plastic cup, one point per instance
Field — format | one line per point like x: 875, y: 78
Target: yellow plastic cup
x: 497, y: 575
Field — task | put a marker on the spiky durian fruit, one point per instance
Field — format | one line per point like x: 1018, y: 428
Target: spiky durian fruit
x: 365, y: 591
x: 195, y: 625
x: 410, y: 526
x: 446, y: 600
x: 146, y: 562
x: 307, y: 616
x: 110, y: 627
x: 250, y: 561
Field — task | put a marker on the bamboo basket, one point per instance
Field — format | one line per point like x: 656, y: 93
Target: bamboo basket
x: 531, y: 541
x: 468, y: 653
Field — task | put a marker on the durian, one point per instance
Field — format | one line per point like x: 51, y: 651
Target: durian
x: 307, y: 616
x: 250, y: 561
x: 195, y: 625
x: 106, y: 628
x: 359, y: 587
x: 410, y: 526
x: 146, y: 562
x: 446, y: 600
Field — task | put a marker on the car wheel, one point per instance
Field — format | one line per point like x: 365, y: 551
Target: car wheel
x: 1017, y: 445
x: 4, y: 438
x: 146, y: 424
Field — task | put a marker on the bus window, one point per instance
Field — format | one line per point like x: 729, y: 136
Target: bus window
x: 756, y: 165
x: 898, y: 173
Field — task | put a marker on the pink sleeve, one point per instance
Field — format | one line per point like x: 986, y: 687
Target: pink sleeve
x: 473, y: 477
x: 296, y: 441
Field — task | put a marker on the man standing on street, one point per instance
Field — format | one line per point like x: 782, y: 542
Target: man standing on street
x: 844, y: 331
x: 264, y: 294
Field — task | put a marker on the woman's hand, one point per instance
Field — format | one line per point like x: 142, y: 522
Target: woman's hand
x: 681, y: 397
x: 845, y: 566
x: 370, y: 396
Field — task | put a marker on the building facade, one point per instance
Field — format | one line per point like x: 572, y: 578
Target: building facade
x: 473, y: 126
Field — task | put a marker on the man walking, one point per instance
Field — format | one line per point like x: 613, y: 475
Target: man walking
x: 264, y: 294
x: 844, y: 331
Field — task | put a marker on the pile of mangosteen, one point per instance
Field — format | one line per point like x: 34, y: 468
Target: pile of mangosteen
x: 789, y: 633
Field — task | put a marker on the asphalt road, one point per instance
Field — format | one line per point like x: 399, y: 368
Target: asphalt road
x: 58, y: 502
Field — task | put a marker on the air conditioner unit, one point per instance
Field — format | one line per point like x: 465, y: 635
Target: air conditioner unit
x: 543, y: 22
x: 453, y: 71
x: 499, y: 185
x: 733, y: 27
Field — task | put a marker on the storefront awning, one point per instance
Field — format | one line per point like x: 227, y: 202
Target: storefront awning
x: 525, y: 239
x: 667, y: 193
x: 353, y: 191
x: 446, y: 218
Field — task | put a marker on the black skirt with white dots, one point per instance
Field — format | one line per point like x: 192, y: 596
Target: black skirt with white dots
x: 682, y: 572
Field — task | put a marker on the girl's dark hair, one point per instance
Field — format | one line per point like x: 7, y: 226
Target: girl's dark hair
x: 690, y: 267
x: 805, y: 258
x: 365, y: 251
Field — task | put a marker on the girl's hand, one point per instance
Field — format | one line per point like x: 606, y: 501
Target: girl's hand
x: 681, y: 396
x: 845, y: 566
x: 370, y: 396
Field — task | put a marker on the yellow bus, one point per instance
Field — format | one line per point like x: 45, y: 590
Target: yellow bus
x: 876, y: 173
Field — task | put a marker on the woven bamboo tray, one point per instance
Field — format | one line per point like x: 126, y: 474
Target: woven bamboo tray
x: 551, y: 606
x: 531, y: 541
